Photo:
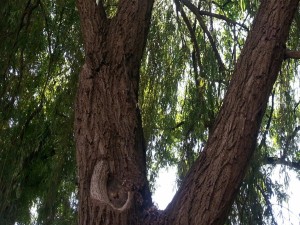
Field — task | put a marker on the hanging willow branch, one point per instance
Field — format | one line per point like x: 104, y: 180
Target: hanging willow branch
x: 193, y: 39
x: 195, y: 10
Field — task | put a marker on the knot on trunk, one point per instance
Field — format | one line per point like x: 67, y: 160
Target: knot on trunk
x: 98, y: 188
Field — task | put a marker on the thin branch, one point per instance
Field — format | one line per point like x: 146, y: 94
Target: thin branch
x: 280, y: 161
x: 221, y: 17
x: 222, y: 6
x: 101, y: 9
x: 196, y: 54
x: 178, y: 125
x: 268, y: 203
x: 288, y: 141
x: 195, y: 10
x: 264, y: 137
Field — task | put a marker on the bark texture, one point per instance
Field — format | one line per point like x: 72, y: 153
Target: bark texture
x: 113, y: 187
x: 211, y: 185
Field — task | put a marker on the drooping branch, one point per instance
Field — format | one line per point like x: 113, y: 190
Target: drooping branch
x: 268, y: 203
x: 196, y: 52
x: 264, y: 136
x: 195, y: 10
x: 281, y: 161
x: 289, y: 139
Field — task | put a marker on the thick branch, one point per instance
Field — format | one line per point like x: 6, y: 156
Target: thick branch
x: 133, y: 19
x: 215, y: 178
x: 107, y: 120
x: 93, y: 23
x: 292, y: 54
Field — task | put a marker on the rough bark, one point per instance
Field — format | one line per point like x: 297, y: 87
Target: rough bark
x: 109, y: 142
x: 211, y: 185
x: 111, y: 163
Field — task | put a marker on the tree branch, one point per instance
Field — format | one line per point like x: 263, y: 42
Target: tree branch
x: 93, y: 21
x: 195, y: 10
x: 135, y: 18
x: 264, y: 136
x: 196, y: 53
x: 218, y: 16
x: 268, y: 203
x: 280, y: 161
x: 292, y: 54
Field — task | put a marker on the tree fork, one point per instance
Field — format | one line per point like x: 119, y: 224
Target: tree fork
x: 108, y: 128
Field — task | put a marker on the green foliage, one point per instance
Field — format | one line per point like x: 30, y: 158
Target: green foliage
x: 40, y: 61
x: 185, y: 72
x: 179, y: 103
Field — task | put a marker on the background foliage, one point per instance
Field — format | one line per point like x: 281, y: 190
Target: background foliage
x: 189, y: 58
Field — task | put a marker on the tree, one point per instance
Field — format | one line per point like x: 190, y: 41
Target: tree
x: 119, y: 78
x: 110, y: 149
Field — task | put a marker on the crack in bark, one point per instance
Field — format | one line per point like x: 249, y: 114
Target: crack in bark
x: 98, y: 188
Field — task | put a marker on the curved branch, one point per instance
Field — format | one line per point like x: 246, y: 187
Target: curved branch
x: 98, y: 188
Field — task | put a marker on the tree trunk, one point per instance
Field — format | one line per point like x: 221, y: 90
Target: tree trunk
x: 113, y: 188
x: 210, y: 187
